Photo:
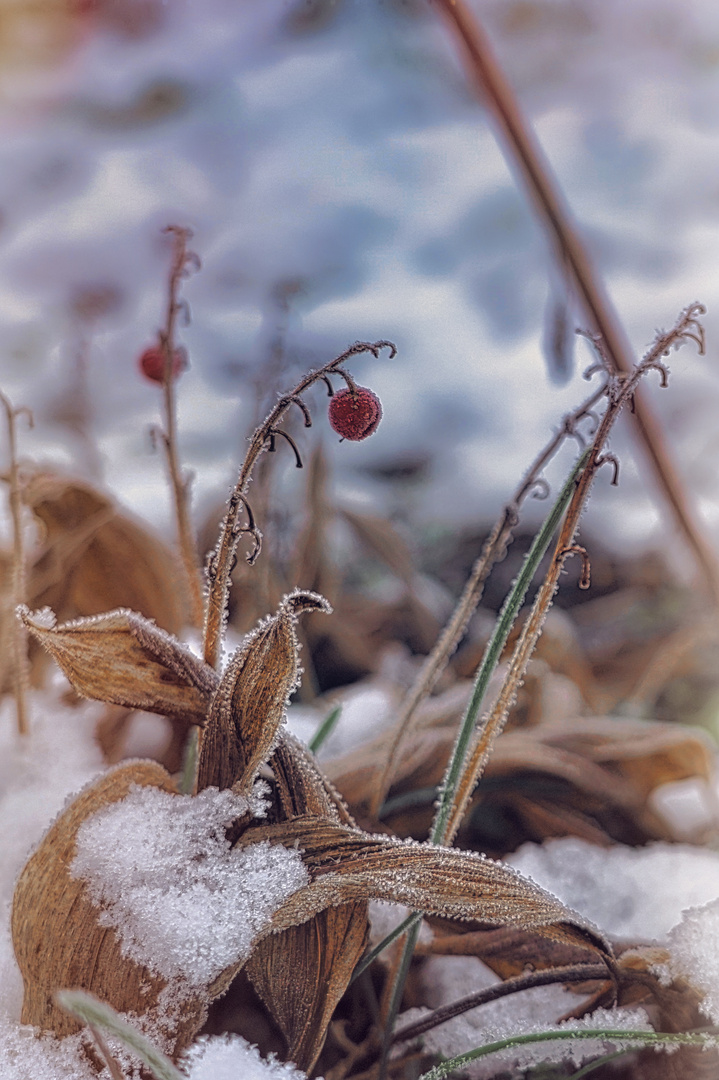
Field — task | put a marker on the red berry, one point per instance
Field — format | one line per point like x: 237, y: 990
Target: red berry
x: 152, y: 363
x: 355, y: 414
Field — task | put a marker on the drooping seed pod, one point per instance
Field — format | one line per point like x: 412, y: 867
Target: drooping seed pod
x: 355, y: 414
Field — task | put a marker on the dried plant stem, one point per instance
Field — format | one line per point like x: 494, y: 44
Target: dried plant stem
x: 113, y: 1066
x: 576, y: 973
x: 181, y: 259
x: 494, y: 550
x: 621, y: 390
x: 21, y: 666
x: 525, y: 152
x: 221, y: 561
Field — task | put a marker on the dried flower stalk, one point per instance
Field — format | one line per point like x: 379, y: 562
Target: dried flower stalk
x: 183, y: 261
x: 264, y: 439
x: 621, y: 390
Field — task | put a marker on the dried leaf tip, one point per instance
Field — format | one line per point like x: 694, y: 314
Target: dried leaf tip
x: 300, y: 600
x: 248, y: 709
x: 44, y: 619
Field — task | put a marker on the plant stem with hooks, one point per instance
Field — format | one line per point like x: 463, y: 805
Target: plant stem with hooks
x: 493, y: 552
x: 264, y: 438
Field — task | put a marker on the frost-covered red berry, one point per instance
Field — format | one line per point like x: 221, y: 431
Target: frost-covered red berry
x: 152, y: 363
x: 355, y: 414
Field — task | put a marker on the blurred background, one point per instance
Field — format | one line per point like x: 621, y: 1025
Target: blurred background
x: 343, y: 183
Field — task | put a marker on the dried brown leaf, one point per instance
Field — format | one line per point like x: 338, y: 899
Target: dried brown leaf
x: 586, y: 777
x: 348, y: 864
x: 57, y: 938
x: 124, y: 659
x: 302, y: 972
x: 249, y: 706
x: 94, y: 558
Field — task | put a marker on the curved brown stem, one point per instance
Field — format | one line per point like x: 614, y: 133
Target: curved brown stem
x: 219, y: 566
x: 574, y: 974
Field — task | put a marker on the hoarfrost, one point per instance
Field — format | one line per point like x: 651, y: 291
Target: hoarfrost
x: 183, y: 902
x: 230, y: 1057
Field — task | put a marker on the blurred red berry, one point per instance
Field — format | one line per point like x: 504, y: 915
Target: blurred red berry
x: 355, y: 414
x: 152, y: 363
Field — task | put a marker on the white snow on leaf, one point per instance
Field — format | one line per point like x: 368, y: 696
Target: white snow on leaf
x: 183, y: 902
x: 230, y: 1057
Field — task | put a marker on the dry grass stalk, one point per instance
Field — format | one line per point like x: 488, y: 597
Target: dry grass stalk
x: 21, y: 666
x: 570, y: 253
x: 493, y: 552
x: 621, y: 391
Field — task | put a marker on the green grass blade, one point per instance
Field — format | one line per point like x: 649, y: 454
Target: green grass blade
x: 636, y: 1038
x: 325, y: 729
x: 92, y: 1011
x: 498, y: 640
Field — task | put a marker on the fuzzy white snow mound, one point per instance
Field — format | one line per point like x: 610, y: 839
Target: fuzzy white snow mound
x: 184, y: 903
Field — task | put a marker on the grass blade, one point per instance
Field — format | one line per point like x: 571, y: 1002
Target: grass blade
x: 96, y: 1013
x: 491, y: 656
x: 635, y: 1038
x: 325, y: 729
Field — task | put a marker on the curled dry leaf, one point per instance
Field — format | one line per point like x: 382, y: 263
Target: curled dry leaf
x: 58, y: 940
x: 124, y: 659
x: 302, y: 972
x: 249, y: 706
x: 348, y: 864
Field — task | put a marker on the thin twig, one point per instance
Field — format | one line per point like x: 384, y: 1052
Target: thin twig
x: 493, y: 551
x: 182, y: 261
x: 21, y: 664
x: 524, y: 150
x: 576, y: 973
x: 220, y: 563
x: 622, y: 389
x: 113, y: 1065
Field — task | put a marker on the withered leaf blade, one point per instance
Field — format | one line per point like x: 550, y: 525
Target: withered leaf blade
x: 249, y: 706
x: 56, y: 935
x: 302, y: 972
x: 95, y: 557
x: 124, y: 659
x: 346, y: 864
